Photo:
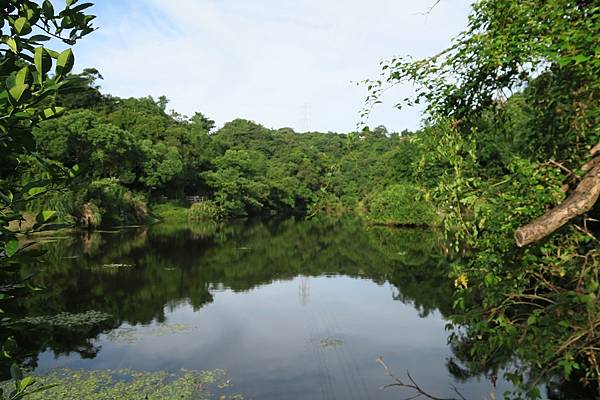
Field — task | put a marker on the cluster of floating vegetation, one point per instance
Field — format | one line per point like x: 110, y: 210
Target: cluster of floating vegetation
x: 132, y: 334
x: 66, y: 320
x: 127, y: 384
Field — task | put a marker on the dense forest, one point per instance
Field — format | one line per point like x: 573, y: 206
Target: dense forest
x: 506, y: 164
x: 132, y: 153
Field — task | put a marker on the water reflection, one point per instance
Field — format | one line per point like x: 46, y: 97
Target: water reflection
x: 292, y: 309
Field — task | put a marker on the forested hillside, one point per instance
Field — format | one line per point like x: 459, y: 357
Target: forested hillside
x: 130, y: 153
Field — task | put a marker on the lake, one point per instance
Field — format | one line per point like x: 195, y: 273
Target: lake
x: 290, y: 309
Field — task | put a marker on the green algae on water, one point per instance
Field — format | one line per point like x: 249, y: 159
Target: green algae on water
x: 127, y: 384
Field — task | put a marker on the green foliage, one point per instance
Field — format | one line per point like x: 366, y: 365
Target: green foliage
x: 244, y: 167
x: 117, y: 205
x: 401, y: 204
x: 170, y: 213
x: 204, y: 210
x: 80, y: 137
x: 25, y: 84
x: 513, y: 107
x: 237, y: 191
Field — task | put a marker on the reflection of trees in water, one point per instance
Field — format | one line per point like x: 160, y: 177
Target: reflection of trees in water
x: 171, y: 264
x: 421, y: 279
x: 179, y: 263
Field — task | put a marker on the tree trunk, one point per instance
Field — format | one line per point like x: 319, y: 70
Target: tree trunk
x: 583, y: 198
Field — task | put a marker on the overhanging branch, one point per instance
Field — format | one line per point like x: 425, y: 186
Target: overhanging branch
x: 583, y: 198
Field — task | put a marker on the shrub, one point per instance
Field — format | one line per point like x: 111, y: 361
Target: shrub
x: 118, y: 204
x: 204, y: 210
x: 170, y: 212
x: 401, y: 204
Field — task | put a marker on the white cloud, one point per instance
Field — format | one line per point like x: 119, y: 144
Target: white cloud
x: 265, y: 59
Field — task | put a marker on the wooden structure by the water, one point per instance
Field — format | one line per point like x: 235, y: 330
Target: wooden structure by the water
x: 195, y: 199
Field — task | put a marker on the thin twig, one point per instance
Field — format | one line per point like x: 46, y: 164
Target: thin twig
x: 413, y: 385
x: 586, y: 232
x: 565, y: 169
x: 430, y: 8
x: 457, y: 392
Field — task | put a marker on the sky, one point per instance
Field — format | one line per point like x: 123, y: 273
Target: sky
x: 280, y: 63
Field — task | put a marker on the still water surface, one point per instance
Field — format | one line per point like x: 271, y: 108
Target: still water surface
x: 292, y: 309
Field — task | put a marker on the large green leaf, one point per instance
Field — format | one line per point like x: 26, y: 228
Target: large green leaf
x: 17, y: 84
x: 65, y: 62
x: 53, y: 54
x: 34, y: 191
x: 43, y: 61
x: 22, y: 26
x: 23, y: 76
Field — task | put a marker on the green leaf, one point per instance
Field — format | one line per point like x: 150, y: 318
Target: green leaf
x: 39, y: 38
x: 11, y: 248
x: 45, y: 216
x: 53, y: 54
x: 69, y: 2
x: 17, y: 85
x: 53, y: 112
x: 26, y: 382
x: 580, y: 58
x: 36, y: 183
x: 23, y: 76
x: 17, y: 91
x: 12, y: 44
x: 47, y: 9
x: 43, y: 61
x: 22, y: 26
x: 65, y: 62
x: 82, y: 7
x: 35, y: 191
x: 32, y: 15
x: 489, y: 279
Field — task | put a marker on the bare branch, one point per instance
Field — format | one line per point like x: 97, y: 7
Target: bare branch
x: 457, y: 392
x: 413, y: 385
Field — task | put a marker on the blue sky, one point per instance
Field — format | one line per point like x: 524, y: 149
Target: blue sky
x: 280, y: 63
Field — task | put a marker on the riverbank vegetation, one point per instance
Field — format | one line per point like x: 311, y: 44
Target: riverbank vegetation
x: 513, y: 111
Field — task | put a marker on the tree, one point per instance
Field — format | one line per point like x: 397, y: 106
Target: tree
x: 507, y: 45
x: 204, y: 123
x: 238, y: 182
x: 518, y: 90
x: 25, y: 65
